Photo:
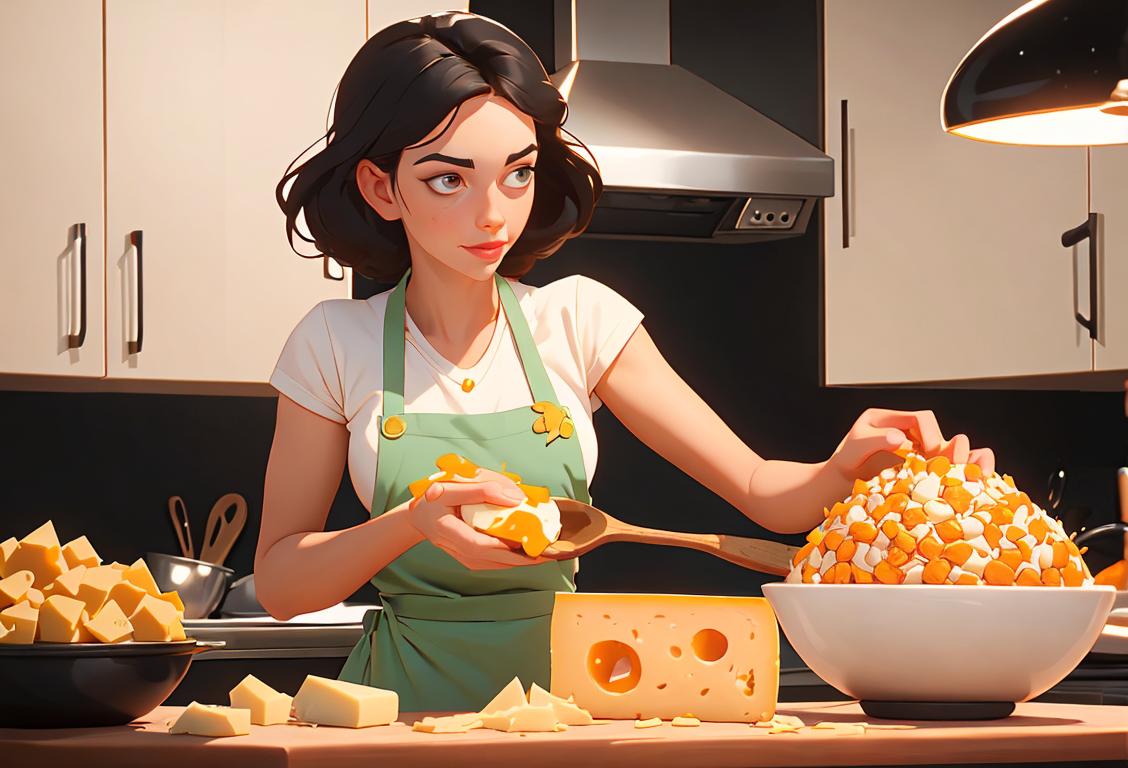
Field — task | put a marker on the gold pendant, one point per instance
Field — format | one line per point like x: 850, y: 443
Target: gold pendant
x: 467, y: 385
x: 555, y: 421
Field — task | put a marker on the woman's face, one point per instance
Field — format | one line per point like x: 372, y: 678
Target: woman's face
x: 465, y: 197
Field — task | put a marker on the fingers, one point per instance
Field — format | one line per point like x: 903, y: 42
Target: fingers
x: 957, y: 449
x: 487, y: 492
x: 920, y: 426
x: 985, y: 458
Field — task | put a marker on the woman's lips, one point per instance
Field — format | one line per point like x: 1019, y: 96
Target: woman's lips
x: 487, y: 251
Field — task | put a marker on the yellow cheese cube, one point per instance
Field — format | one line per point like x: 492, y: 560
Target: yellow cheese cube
x: 461, y: 723
x: 653, y: 722
x: 97, y: 583
x: 14, y: 588
x: 267, y: 706
x: 110, y: 624
x: 68, y: 583
x: 566, y: 712
x: 685, y: 722
x: 128, y: 596
x: 7, y: 547
x: 138, y: 574
x: 628, y: 656
x: 39, y: 552
x: 123, y: 568
x: 212, y: 720
x: 526, y: 718
x: 153, y: 619
x: 21, y: 620
x: 512, y: 695
x: 59, y: 619
x: 176, y: 630
x: 351, y: 705
x: 80, y: 552
x: 35, y: 597
x: 172, y: 597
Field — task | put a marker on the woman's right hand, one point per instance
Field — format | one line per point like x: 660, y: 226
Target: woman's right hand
x: 435, y: 514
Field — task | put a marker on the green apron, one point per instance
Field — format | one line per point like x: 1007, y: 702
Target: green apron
x: 448, y: 638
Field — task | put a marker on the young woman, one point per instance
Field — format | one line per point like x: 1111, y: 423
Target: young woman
x: 446, y: 170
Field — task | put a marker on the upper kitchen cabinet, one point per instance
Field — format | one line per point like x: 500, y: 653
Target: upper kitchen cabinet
x: 1109, y: 200
x: 51, y: 197
x: 207, y: 103
x: 943, y: 256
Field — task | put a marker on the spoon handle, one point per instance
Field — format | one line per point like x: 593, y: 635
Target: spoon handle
x: 758, y: 554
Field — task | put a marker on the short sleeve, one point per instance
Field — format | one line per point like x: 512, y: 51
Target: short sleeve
x: 605, y: 323
x: 307, y: 372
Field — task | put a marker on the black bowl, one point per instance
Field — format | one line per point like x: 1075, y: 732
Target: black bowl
x: 81, y: 685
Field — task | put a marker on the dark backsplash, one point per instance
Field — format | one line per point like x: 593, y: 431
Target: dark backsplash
x: 739, y: 323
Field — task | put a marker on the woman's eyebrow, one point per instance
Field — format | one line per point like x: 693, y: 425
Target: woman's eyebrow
x: 465, y: 163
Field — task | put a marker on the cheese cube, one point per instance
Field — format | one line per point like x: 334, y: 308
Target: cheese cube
x: 172, y: 597
x: 39, y: 552
x: 212, y: 720
x: 21, y: 620
x: 59, y: 619
x: 685, y: 722
x: 154, y: 619
x: 97, y: 583
x: 463, y: 723
x: 653, y: 722
x: 110, y: 624
x: 566, y: 712
x: 128, y: 596
x: 35, y: 597
x: 512, y: 695
x: 7, y: 547
x: 138, y: 574
x: 628, y: 656
x: 80, y: 552
x: 351, y: 705
x: 267, y: 706
x: 14, y: 588
x: 68, y: 583
x: 123, y: 567
x: 526, y: 718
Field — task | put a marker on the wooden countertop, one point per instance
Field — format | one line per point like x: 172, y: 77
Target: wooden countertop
x: 1037, y: 732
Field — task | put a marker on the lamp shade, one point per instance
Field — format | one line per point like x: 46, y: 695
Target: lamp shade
x: 1054, y: 73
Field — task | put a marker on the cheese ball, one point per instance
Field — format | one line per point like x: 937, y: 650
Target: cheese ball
x: 934, y: 522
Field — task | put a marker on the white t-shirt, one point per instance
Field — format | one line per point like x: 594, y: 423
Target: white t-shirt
x: 332, y: 364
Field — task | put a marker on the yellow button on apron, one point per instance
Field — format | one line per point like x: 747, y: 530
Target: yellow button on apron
x: 393, y: 427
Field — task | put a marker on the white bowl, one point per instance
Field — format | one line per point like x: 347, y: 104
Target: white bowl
x: 940, y: 643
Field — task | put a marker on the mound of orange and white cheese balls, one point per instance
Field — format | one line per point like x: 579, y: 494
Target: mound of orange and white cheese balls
x: 934, y: 522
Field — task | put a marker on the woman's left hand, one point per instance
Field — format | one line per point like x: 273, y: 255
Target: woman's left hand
x: 869, y: 446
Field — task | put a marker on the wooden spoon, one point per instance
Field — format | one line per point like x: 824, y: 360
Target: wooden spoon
x: 583, y: 528
x: 1117, y: 573
x: 179, y: 514
x: 221, y: 533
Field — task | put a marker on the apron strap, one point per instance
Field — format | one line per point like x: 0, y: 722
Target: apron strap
x: 539, y: 384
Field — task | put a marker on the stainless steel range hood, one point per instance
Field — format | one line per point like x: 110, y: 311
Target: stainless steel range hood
x: 680, y: 158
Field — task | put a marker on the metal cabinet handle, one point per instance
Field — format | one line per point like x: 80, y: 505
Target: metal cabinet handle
x: 77, y: 335
x: 136, y: 308
x: 1073, y: 237
x: 845, y: 174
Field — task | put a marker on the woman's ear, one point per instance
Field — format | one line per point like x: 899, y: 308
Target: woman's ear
x: 376, y: 188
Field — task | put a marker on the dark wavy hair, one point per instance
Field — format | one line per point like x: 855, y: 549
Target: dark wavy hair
x: 401, y: 83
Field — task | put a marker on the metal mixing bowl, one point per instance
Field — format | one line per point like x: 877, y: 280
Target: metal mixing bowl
x: 200, y: 585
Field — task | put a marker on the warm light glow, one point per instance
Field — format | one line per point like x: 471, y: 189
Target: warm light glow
x: 1081, y: 126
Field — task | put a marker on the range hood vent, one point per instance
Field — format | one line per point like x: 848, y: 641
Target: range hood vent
x: 680, y: 158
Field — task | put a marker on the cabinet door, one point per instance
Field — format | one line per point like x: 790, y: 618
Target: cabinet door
x: 955, y: 268
x: 207, y: 104
x: 1110, y: 199
x: 51, y: 155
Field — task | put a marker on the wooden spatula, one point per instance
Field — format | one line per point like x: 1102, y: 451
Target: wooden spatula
x: 1117, y: 573
x: 583, y: 528
x: 221, y: 533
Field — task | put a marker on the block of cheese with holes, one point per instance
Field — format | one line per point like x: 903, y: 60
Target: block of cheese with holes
x: 627, y: 656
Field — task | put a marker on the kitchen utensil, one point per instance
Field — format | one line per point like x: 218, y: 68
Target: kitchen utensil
x: 221, y: 533
x: 1117, y: 573
x: 179, y: 514
x: 200, y: 585
x: 83, y: 685
x: 241, y: 600
x: 952, y: 652
x: 584, y: 527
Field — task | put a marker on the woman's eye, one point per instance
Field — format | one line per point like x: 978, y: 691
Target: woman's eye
x: 521, y: 176
x: 447, y: 184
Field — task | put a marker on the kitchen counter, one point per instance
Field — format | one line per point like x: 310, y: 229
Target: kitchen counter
x: 1062, y: 734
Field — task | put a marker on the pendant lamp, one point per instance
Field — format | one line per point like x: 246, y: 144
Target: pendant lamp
x: 1052, y: 73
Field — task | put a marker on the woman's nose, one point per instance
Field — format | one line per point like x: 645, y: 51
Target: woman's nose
x: 490, y: 217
